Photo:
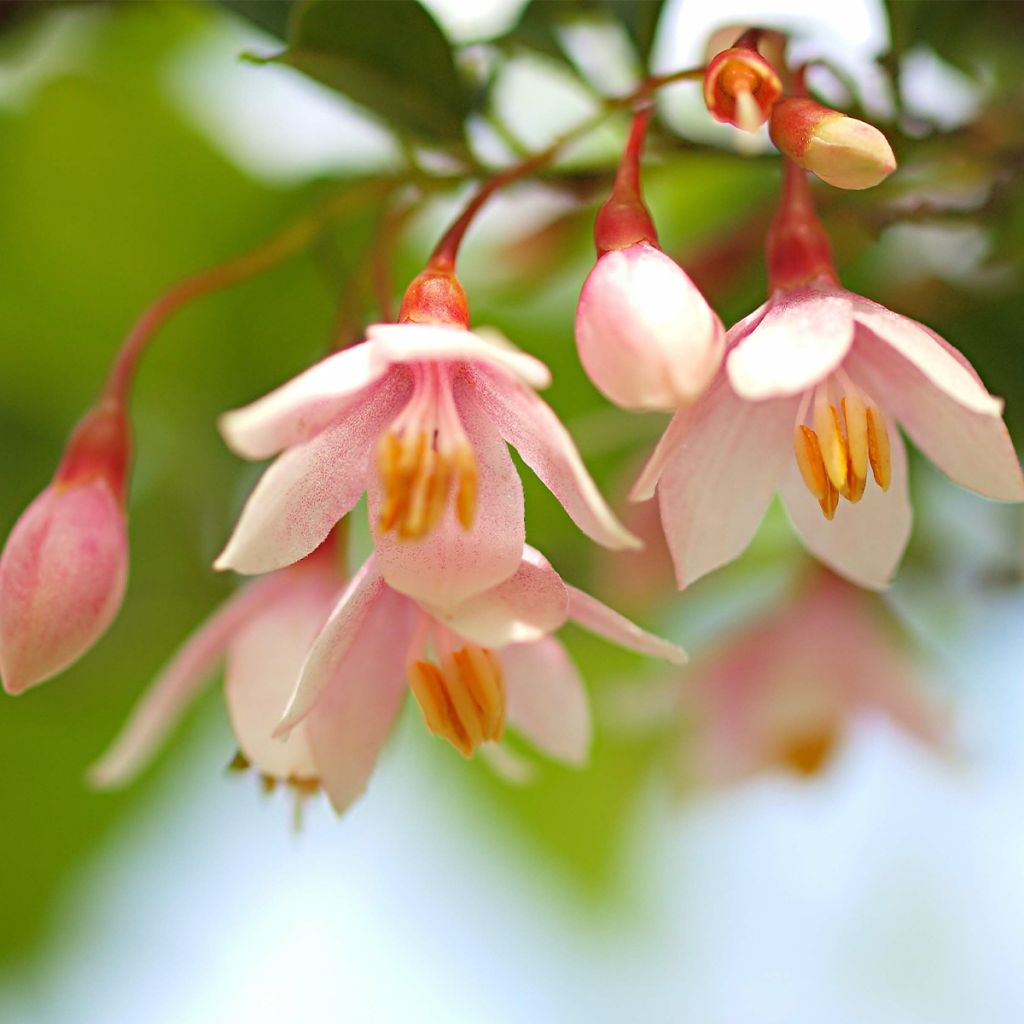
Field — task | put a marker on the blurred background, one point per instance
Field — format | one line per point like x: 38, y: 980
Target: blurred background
x: 840, y: 840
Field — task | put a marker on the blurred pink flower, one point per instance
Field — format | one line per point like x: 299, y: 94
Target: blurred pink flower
x: 811, y: 380
x: 471, y: 669
x: 65, y: 564
x: 418, y: 415
x: 783, y: 693
x: 261, y: 635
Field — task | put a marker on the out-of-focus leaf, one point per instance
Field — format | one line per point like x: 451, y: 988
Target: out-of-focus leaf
x: 537, y: 29
x: 964, y: 34
x: 389, y: 57
x: 270, y: 15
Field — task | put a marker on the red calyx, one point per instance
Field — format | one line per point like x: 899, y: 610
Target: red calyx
x: 99, y: 446
x: 435, y: 296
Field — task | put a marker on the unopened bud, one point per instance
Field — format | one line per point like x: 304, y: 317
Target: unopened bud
x: 840, y: 150
x: 741, y: 87
x: 646, y: 336
x: 64, y: 567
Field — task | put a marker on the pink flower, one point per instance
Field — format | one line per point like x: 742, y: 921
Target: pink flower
x: 814, y: 384
x: 261, y: 635
x: 65, y: 564
x: 784, y: 692
x: 472, y: 670
x: 646, y: 336
x: 418, y: 415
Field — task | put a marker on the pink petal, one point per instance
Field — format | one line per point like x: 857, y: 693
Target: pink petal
x: 719, y: 470
x: 362, y: 694
x: 529, y: 604
x: 588, y: 612
x: 864, y: 542
x: 303, y: 407
x: 973, y: 448
x: 309, y: 488
x: 933, y: 357
x: 62, y: 579
x: 451, y: 564
x: 413, y: 343
x: 803, y: 337
x: 170, y: 694
x: 528, y: 423
x: 547, y: 701
x: 364, y: 592
x: 646, y: 336
x: 264, y: 659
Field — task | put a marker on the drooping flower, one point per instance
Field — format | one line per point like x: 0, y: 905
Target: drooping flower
x: 814, y: 384
x: 472, y: 669
x: 418, y: 415
x: 784, y: 692
x: 261, y: 635
x: 646, y: 336
x: 839, y: 149
x: 65, y: 564
x: 740, y: 86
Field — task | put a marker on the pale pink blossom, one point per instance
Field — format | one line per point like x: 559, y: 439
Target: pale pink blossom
x: 260, y: 636
x: 815, y: 383
x: 418, y: 416
x: 646, y: 336
x: 473, y: 669
x: 65, y: 564
x: 784, y: 693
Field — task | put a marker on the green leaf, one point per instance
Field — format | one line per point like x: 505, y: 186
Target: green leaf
x: 389, y: 57
x: 270, y: 15
x: 538, y: 27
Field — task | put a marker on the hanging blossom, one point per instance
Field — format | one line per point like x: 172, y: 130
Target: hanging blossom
x: 261, y: 636
x: 814, y: 383
x: 646, y: 336
x: 64, y: 566
x: 785, y: 692
x: 740, y: 85
x: 418, y: 415
x: 488, y: 663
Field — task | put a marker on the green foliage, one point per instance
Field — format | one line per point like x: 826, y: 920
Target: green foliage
x: 392, y: 59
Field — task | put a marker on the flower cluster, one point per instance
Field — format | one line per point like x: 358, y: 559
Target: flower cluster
x: 805, y: 396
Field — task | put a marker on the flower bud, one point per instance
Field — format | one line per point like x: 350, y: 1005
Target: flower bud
x: 64, y: 567
x: 840, y: 150
x: 740, y: 86
x: 646, y: 336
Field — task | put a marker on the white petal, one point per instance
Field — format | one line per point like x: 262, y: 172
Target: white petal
x: 864, y: 542
x: 301, y: 408
x: 309, y: 488
x: 547, y: 701
x: 930, y: 355
x: 529, y: 424
x: 530, y: 603
x: 973, y: 448
x: 720, y: 470
x: 170, y: 694
x: 412, y: 343
x: 802, y: 338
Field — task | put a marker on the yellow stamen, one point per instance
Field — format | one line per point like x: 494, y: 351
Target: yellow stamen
x: 417, y: 478
x: 829, y: 429
x: 878, y: 449
x: 465, y: 470
x: 855, y: 418
x: 809, y: 462
x: 807, y: 752
x: 463, y: 699
x: 830, y: 502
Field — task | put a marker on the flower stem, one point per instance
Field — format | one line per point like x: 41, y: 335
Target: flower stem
x: 287, y: 242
